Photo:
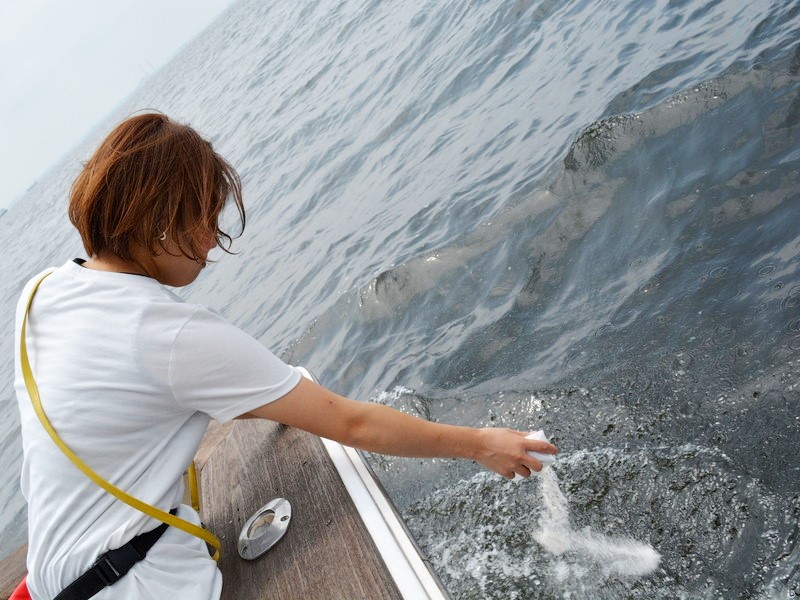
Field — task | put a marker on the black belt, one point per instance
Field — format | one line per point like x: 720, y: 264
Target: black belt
x: 112, y: 566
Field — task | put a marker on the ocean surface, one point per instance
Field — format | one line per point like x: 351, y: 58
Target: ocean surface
x: 570, y: 215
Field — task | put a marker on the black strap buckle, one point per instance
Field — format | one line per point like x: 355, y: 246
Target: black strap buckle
x: 105, y: 570
x: 112, y: 566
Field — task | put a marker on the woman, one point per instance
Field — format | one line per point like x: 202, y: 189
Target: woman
x: 130, y: 375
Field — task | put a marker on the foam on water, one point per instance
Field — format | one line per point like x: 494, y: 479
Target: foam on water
x: 586, y: 554
x: 393, y: 396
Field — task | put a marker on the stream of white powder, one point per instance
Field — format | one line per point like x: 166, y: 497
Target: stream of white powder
x: 586, y: 553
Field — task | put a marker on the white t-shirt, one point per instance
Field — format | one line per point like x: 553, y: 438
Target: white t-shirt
x: 129, y: 375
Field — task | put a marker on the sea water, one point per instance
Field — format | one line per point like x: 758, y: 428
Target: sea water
x: 563, y: 215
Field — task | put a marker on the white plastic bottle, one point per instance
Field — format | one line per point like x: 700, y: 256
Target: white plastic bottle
x: 545, y: 459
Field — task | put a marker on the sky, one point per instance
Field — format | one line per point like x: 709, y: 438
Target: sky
x: 65, y: 64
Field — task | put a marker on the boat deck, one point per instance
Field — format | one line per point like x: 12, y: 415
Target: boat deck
x: 327, y: 552
x: 12, y: 570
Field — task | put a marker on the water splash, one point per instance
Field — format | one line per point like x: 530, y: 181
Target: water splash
x: 586, y: 555
x: 391, y: 397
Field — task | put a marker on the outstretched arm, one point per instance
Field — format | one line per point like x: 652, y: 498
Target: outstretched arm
x: 377, y: 428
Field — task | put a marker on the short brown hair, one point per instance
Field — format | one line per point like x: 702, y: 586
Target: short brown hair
x: 152, y: 176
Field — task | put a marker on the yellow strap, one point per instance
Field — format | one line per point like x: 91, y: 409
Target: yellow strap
x: 149, y: 510
x: 194, y: 493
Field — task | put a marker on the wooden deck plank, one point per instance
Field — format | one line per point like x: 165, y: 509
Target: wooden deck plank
x: 326, y: 553
x: 12, y: 570
x: 213, y: 437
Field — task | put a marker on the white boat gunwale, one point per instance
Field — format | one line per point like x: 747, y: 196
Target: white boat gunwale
x: 412, y: 572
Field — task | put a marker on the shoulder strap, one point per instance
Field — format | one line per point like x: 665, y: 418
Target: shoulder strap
x: 149, y: 510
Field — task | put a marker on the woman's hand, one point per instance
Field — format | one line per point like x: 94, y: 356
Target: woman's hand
x: 505, y: 451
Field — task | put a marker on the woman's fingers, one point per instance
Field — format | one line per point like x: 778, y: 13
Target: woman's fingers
x: 506, y: 451
x: 532, y: 464
x: 527, y: 470
x: 540, y: 446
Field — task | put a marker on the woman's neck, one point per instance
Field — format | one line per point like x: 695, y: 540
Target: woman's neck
x: 115, y: 264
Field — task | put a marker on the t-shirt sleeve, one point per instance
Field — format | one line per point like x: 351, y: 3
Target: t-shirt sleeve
x: 218, y: 369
